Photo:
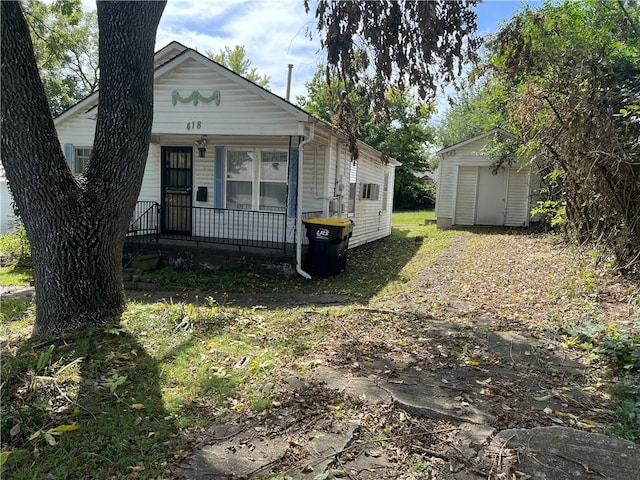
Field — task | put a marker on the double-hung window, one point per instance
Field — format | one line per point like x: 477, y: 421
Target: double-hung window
x: 240, y: 179
x: 81, y: 157
x: 257, y: 180
x: 273, y: 181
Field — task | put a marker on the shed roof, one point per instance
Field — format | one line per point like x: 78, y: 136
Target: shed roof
x: 493, y: 131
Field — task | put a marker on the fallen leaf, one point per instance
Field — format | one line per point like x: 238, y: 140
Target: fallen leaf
x: 50, y: 439
x: 65, y: 428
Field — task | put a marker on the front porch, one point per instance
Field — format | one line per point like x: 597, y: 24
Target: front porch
x: 247, y: 231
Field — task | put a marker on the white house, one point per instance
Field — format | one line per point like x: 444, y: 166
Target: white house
x: 471, y: 193
x: 227, y: 157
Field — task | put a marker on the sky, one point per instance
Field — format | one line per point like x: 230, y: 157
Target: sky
x: 273, y: 32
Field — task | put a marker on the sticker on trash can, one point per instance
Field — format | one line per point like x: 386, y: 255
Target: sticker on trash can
x: 322, y: 233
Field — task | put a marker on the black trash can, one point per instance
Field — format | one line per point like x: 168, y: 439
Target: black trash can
x: 328, y: 244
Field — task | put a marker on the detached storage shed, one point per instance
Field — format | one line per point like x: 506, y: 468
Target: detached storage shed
x: 470, y: 193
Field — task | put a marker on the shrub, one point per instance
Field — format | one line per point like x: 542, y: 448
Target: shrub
x: 15, y: 248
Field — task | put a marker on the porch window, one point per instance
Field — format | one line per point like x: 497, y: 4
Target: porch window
x: 81, y: 157
x: 257, y: 185
x: 239, y: 179
x: 273, y: 181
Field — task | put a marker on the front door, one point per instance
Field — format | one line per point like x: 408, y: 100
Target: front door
x: 492, y: 193
x: 177, y: 183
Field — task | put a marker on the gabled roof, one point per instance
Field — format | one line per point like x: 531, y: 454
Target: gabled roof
x: 167, y: 53
x: 493, y: 131
x: 175, y: 54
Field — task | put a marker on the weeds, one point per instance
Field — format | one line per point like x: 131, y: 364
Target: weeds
x: 126, y: 402
x: 15, y: 249
x: 619, y: 349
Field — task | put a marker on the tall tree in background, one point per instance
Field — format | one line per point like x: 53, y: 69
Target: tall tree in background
x: 406, y: 138
x: 77, y: 225
x: 65, y: 42
x: 376, y: 46
x: 477, y: 107
x: 237, y: 61
x: 573, y: 72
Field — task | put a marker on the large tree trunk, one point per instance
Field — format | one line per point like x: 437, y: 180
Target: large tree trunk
x: 77, y: 225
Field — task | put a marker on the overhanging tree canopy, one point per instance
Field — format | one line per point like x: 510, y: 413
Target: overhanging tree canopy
x: 383, y: 45
x: 572, y: 70
x: 403, y: 43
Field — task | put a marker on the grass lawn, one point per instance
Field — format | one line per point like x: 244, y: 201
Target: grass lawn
x: 10, y: 276
x: 125, y: 402
x: 417, y: 217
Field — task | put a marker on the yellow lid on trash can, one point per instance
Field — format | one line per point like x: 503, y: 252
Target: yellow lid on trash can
x: 332, y: 222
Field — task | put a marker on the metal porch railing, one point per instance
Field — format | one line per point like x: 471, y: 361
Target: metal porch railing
x: 143, y: 229
x: 242, y: 228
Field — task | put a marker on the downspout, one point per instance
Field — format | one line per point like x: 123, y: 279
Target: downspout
x: 299, y: 203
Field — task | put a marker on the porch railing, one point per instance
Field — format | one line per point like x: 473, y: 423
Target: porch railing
x: 241, y: 228
x: 143, y: 229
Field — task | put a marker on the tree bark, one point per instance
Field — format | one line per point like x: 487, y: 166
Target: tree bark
x: 77, y: 225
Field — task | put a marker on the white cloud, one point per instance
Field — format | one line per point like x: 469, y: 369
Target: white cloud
x: 273, y: 33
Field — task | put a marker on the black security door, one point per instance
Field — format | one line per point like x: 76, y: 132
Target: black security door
x: 177, y: 184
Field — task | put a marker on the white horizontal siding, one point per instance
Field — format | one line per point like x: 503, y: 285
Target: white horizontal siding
x: 150, y: 190
x: 447, y: 179
x: 372, y: 222
x: 314, y: 187
x: 78, y: 129
x: 240, y: 110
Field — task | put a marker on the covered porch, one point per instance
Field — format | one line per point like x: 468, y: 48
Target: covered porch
x: 152, y: 222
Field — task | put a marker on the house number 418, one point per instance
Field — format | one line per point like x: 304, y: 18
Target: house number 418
x: 194, y: 125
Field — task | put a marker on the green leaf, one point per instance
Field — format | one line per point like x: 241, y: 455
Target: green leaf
x: 50, y: 439
x: 65, y: 428
x: 44, y: 358
x: 4, y: 455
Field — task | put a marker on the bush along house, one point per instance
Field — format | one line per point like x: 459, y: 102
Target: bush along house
x: 231, y: 165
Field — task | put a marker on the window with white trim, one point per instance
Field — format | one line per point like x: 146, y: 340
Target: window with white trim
x: 273, y: 181
x: 240, y: 179
x: 257, y: 185
x: 370, y: 191
x: 81, y: 157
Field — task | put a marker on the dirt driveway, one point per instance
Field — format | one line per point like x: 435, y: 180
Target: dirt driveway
x: 420, y: 385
